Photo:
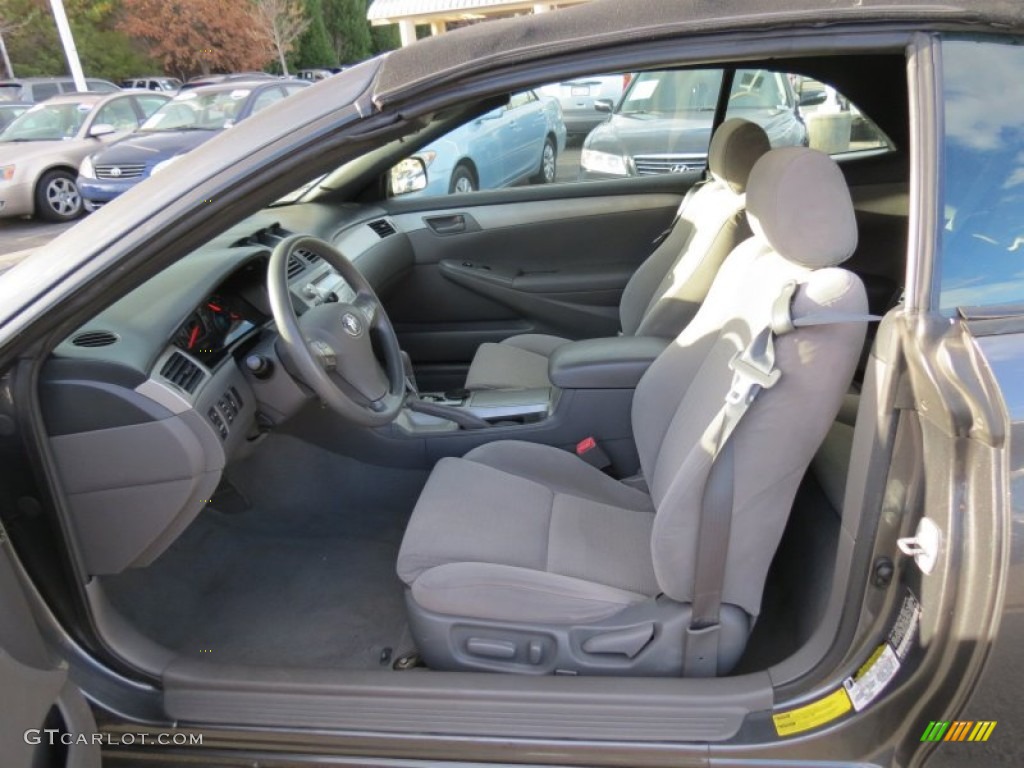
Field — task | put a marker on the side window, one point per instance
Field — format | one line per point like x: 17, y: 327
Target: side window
x: 983, y: 184
x: 267, y: 98
x: 622, y: 125
x: 834, y: 124
x: 118, y: 113
x: 521, y: 99
x: 149, y: 104
x: 99, y: 86
x: 43, y: 91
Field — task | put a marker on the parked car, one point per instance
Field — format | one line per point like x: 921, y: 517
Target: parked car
x: 191, y: 118
x: 663, y: 122
x: 10, y: 110
x: 314, y: 75
x: 505, y: 146
x: 36, y: 89
x: 200, y: 80
x: 40, y: 151
x: 240, y: 527
x: 153, y: 83
x: 577, y: 97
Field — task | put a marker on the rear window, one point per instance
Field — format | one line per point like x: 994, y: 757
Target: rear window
x: 43, y: 91
x: 10, y: 92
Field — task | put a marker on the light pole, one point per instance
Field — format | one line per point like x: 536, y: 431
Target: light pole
x: 66, y: 39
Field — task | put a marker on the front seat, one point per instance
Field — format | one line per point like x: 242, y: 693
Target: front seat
x: 522, y: 557
x: 663, y: 295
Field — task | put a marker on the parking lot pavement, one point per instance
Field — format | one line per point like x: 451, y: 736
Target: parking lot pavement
x: 568, y: 164
x: 19, y: 237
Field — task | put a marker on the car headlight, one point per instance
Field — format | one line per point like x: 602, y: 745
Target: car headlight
x: 604, y: 162
x: 6, y: 172
x: 86, y: 169
x: 163, y: 164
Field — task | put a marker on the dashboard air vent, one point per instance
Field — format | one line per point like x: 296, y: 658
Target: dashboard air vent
x: 382, y: 227
x: 182, y: 372
x: 295, y: 267
x: 94, y: 339
x: 309, y: 256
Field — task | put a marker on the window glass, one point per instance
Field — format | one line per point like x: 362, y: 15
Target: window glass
x: 621, y: 125
x: 190, y: 111
x: 267, y: 98
x: 119, y: 114
x: 149, y: 104
x: 47, y: 122
x: 43, y: 91
x: 100, y: 86
x: 982, y: 261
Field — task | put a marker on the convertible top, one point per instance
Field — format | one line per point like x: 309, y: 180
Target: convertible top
x: 462, y: 52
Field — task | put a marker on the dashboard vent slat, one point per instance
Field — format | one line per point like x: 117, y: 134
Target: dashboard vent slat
x: 94, y: 339
x: 382, y: 227
x: 182, y: 372
x: 295, y: 267
x: 308, y: 256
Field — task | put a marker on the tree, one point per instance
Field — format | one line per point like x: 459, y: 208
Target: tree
x: 283, y: 21
x: 191, y: 36
x: 105, y: 52
x: 314, y: 49
x: 348, y: 29
x: 385, y: 38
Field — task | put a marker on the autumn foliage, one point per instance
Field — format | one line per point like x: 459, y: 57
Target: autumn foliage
x: 190, y: 36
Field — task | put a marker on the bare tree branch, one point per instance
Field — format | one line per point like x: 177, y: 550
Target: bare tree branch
x: 283, y: 21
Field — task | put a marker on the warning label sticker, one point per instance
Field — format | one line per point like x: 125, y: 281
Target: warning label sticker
x: 812, y: 715
x: 871, y: 678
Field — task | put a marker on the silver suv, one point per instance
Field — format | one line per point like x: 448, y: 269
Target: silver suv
x: 33, y: 89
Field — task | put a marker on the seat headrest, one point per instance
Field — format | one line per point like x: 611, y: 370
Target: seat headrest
x: 735, y: 147
x: 798, y: 202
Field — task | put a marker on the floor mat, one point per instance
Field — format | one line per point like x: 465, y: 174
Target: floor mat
x: 305, y: 576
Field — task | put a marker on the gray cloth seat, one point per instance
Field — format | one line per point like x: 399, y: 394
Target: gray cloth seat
x: 522, y: 557
x: 665, y: 292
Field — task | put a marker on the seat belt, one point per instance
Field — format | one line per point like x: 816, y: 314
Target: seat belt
x: 690, y: 193
x: 753, y: 372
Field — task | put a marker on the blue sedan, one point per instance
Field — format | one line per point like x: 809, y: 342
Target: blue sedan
x: 513, y: 144
x: 189, y: 119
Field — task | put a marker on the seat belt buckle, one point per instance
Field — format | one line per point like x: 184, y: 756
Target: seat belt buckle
x: 748, y: 378
x: 592, y: 453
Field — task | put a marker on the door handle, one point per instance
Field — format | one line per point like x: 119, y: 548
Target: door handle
x: 447, y: 225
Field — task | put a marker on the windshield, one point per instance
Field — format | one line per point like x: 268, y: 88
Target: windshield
x: 673, y: 93
x: 48, y: 122
x: 193, y: 111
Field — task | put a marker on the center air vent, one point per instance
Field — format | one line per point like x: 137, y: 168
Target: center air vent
x: 182, y: 372
x: 295, y: 267
x: 94, y: 339
x: 382, y: 227
x: 309, y: 256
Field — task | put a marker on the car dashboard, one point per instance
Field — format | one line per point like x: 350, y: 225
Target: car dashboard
x: 147, y: 403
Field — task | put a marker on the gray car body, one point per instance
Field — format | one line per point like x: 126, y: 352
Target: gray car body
x: 79, y: 271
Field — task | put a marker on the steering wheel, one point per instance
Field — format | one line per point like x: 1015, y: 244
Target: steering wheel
x: 330, y: 345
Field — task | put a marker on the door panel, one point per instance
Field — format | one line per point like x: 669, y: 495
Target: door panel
x: 484, y: 272
x: 34, y: 687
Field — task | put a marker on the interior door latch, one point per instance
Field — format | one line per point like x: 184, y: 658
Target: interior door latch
x: 924, y: 545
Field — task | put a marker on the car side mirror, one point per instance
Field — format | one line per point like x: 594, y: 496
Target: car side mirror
x: 410, y: 175
x: 604, y: 105
x: 102, y: 129
x: 812, y: 98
